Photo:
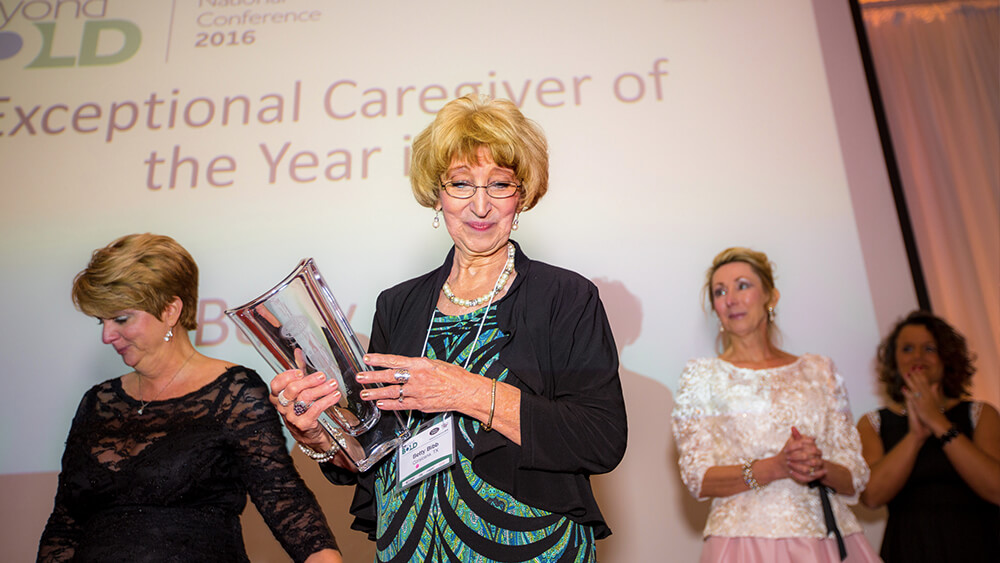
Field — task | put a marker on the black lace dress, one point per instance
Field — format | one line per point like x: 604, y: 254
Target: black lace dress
x: 936, y: 517
x: 170, y: 484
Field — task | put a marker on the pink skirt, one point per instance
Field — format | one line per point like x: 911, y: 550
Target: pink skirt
x: 786, y: 550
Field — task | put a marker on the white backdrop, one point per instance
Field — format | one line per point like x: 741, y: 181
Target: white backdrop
x: 260, y: 132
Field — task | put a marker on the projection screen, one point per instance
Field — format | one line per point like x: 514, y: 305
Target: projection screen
x: 260, y: 132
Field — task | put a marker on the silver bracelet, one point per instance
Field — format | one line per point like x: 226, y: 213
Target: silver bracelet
x: 748, y: 478
x: 320, y: 457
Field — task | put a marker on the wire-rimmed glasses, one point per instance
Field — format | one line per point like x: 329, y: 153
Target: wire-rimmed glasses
x: 465, y: 190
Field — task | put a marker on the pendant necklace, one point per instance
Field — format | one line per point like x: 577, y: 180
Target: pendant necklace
x: 142, y: 407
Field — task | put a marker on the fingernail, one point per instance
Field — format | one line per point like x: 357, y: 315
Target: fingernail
x: 299, y: 374
x: 361, y: 377
x: 365, y: 394
x: 379, y: 404
x: 320, y: 376
x: 367, y: 359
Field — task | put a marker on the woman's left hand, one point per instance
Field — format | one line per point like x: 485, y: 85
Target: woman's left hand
x: 420, y: 384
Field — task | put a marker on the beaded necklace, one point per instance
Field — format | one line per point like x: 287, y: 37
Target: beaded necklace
x: 497, y: 288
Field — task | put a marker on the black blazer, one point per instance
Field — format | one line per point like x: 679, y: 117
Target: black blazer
x: 562, y: 356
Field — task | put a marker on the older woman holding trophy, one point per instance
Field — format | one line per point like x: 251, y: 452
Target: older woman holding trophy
x: 503, y: 368
x: 159, y: 461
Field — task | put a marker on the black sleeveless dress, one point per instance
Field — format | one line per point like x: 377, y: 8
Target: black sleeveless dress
x: 936, y: 517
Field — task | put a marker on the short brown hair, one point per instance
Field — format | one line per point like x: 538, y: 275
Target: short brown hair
x: 954, y: 353
x: 139, y: 271
x: 761, y: 266
x: 463, y: 126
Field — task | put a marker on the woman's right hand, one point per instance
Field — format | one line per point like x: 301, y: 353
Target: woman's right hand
x: 923, y: 401
x: 315, y: 393
x: 915, y: 426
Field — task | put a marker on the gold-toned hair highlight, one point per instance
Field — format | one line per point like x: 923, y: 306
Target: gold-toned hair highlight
x: 139, y: 271
x: 463, y: 126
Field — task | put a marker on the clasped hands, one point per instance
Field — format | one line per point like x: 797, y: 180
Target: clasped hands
x: 802, y: 459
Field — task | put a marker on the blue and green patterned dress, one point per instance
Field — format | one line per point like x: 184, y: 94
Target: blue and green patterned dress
x: 454, y: 515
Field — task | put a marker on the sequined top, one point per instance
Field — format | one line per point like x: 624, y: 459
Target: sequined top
x: 724, y: 414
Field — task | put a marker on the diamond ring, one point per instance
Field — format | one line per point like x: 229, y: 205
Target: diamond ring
x: 282, y: 399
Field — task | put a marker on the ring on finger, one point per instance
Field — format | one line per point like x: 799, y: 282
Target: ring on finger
x: 301, y: 407
x: 402, y: 375
x: 918, y: 394
x: 400, y: 397
x: 282, y: 399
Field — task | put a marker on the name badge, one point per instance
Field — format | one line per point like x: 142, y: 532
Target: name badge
x: 430, y: 450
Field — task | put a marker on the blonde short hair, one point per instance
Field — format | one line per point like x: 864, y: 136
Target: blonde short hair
x: 463, y: 126
x: 761, y: 266
x: 139, y: 271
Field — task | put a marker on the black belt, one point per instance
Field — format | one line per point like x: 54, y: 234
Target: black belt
x: 831, y: 521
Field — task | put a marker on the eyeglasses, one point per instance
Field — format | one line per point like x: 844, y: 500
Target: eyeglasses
x: 496, y: 190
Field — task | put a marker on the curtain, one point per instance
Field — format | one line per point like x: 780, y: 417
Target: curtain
x: 938, y: 69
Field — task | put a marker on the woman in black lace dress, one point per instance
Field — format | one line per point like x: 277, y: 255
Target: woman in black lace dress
x: 934, y: 455
x: 159, y: 461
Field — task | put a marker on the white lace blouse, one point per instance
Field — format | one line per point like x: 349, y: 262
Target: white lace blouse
x: 724, y: 414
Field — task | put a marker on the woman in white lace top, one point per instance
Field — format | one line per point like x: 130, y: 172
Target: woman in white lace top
x: 767, y: 435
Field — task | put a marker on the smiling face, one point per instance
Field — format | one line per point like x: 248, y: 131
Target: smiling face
x: 740, y: 300
x: 479, y: 225
x: 917, y: 351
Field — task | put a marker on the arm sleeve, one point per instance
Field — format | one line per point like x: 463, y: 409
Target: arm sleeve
x: 377, y: 343
x: 693, y: 429
x: 276, y: 489
x: 62, y: 531
x: 841, y: 442
x: 363, y: 504
x: 580, y: 427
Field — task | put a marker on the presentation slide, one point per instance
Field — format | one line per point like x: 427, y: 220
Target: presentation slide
x: 261, y: 132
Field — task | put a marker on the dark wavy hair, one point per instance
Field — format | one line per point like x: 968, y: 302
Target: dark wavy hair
x: 952, y: 349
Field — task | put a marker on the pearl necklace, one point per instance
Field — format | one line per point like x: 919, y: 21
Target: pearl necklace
x: 142, y: 407
x: 497, y: 288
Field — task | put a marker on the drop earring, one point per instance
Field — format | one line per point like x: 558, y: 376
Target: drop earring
x: 770, y: 313
x: 169, y: 335
x: 513, y: 226
x: 437, y: 221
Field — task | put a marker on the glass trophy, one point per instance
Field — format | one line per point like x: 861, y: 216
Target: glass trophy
x: 301, y: 315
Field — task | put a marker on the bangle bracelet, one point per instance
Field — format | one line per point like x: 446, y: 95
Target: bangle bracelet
x: 493, y: 403
x: 948, y: 436
x: 748, y: 478
x: 320, y: 457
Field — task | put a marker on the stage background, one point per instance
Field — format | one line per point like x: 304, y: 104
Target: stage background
x: 260, y: 132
